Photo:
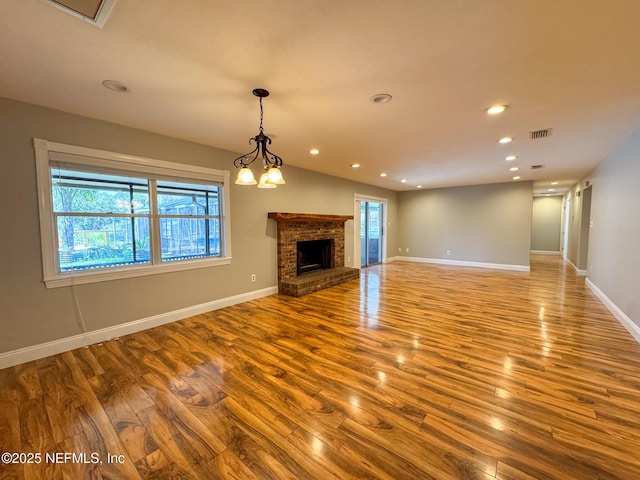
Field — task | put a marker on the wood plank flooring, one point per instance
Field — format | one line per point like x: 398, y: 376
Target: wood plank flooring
x: 413, y: 372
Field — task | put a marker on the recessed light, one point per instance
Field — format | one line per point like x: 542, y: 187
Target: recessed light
x: 115, y: 86
x: 505, y: 140
x: 554, y: 183
x: 551, y: 189
x: 510, y: 158
x: 381, y: 98
x: 404, y: 180
x: 514, y: 169
x: 314, y: 151
x: 418, y: 186
x: 355, y: 165
x: 516, y: 178
x: 383, y: 174
x: 495, y: 109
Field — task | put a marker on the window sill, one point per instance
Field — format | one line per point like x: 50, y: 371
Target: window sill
x: 83, y: 277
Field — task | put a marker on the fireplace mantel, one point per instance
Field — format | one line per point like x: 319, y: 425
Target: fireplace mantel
x: 308, y: 217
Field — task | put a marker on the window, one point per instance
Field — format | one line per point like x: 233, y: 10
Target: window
x: 105, y: 215
x: 189, y: 221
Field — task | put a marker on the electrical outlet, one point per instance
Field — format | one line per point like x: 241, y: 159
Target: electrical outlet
x: 348, y: 259
x: 399, y: 250
x: 448, y: 252
x: 406, y: 250
x: 253, y: 277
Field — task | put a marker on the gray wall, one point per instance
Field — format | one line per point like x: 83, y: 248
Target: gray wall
x: 482, y: 223
x: 545, y: 227
x: 31, y: 314
x: 614, y: 240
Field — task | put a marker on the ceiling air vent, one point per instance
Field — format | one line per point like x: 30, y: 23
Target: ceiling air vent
x: 537, y: 167
x: 546, y: 132
x: 95, y: 12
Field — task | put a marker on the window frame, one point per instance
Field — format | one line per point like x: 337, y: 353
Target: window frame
x: 47, y: 152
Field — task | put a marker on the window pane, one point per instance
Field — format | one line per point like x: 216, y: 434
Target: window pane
x: 176, y: 198
x: 183, y: 237
x: 98, y: 242
x: 214, y: 237
x: 84, y: 192
x: 214, y: 205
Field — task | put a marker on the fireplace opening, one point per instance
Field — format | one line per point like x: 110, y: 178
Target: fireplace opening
x: 314, y: 255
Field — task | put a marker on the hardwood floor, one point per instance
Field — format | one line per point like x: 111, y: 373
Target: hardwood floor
x: 417, y: 372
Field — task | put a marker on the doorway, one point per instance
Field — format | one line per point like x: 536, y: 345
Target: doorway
x: 371, y: 227
x: 585, y: 227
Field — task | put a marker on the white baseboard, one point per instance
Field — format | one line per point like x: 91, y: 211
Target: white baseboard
x: 464, y: 263
x: 626, y: 322
x: 545, y: 252
x: 27, y: 354
x: 392, y: 259
x: 580, y: 273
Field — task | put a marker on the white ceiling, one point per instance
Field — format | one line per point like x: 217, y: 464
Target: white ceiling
x: 570, y: 65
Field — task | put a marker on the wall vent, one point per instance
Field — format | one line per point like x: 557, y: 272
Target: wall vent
x: 537, y: 167
x: 95, y: 12
x: 546, y: 132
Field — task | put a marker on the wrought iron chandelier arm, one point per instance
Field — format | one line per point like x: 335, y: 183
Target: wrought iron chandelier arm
x: 244, y: 161
x: 271, y: 159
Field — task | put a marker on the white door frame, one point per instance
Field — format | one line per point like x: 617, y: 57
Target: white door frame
x: 566, y: 212
x: 358, y: 199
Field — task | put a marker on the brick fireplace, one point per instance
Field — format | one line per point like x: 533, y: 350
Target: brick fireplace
x: 294, y: 228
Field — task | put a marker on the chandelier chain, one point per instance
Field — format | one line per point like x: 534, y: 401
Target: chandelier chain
x: 261, y: 115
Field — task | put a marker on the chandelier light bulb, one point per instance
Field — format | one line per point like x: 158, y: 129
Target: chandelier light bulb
x: 274, y: 176
x: 245, y: 177
x: 264, y: 181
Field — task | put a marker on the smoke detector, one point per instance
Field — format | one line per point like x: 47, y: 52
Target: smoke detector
x: 95, y: 12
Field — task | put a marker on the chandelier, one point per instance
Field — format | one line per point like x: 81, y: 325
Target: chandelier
x: 271, y: 176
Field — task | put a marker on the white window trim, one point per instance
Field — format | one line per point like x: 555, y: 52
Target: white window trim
x: 45, y: 151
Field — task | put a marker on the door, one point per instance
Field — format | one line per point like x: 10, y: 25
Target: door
x: 371, y: 224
